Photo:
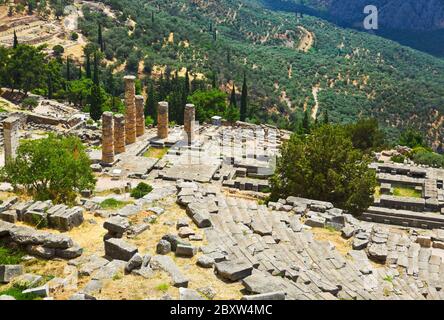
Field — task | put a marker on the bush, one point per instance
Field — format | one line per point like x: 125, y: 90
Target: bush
x: 112, y: 203
x: 53, y: 168
x: 30, y: 103
x: 398, y: 158
x: 324, y: 166
x: 74, y: 36
x: 141, y: 190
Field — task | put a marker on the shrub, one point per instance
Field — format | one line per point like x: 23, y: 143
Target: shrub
x: 398, y: 158
x: 141, y: 190
x: 30, y: 103
x: 53, y: 168
x: 74, y: 36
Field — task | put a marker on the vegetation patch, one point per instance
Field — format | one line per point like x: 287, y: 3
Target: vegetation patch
x: 112, y: 203
x: 156, y: 153
x: 16, y: 291
x: 403, y: 191
x: 163, y: 287
x: 10, y: 256
x: 141, y: 190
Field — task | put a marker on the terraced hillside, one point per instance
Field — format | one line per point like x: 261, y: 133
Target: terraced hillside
x: 356, y: 74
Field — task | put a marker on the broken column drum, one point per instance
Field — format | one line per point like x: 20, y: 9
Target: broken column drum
x: 130, y: 114
x: 107, y: 137
x: 11, y: 137
x: 162, y: 120
x: 119, y: 133
x: 140, y: 117
x: 189, y: 122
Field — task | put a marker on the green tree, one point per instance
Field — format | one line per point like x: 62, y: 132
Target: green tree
x: 15, y: 40
x: 412, y: 139
x: 324, y: 166
x: 96, y: 97
x: 208, y: 104
x: 306, y: 125
x: 233, y: 101
x: 54, y: 168
x: 244, y: 100
x: 366, y: 135
x: 151, y: 104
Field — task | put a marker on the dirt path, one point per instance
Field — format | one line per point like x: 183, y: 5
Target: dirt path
x: 314, y: 111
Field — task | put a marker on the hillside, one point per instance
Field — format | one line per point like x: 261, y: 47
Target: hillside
x: 418, y: 24
x: 357, y: 74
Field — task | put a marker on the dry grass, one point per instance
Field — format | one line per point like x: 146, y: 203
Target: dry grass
x: 341, y: 244
x: 156, y: 153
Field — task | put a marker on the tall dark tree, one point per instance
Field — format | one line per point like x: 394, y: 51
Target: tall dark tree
x: 214, y: 80
x: 100, y: 38
x: 68, y: 69
x: 80, y: 72
x: 244, y: 100
x: 151, y: 103
x: 306, y: 122
x: 15, y: 41
x: 50, y: 87
x: 95, y: 99
x: 326, y: 119
x: 233, y: 102
x: 88, y: 66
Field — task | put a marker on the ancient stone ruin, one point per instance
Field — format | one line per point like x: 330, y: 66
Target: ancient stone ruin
x: 140, y: 116
x: 11, y: 137
x: 130, y: 113
x: 119, y: 133
x: 189, y: 122
x: 162, y: 120
x: 107, y: 138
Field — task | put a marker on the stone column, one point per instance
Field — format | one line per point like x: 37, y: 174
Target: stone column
x: 11, y: 137
x: 162, y: 120
x: 119, y: 133
x: 107, y: 137
x: 189, y: 122
x: 130, y: 114
x: 140, y: 116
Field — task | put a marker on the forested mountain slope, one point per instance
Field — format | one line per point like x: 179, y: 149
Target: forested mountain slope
x: 418, y: 24
x: 291, y: 62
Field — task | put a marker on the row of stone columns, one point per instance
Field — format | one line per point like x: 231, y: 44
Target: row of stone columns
x: 119, y: 131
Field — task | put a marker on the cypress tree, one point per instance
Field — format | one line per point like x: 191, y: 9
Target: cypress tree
x: 233, y: 102
x: 95, y: 102
x: 15, y: 42
x: 244, y: 100
x: 99, y: 38
x: 68, y: 71
x: 151, y: 103
x: 88, y: 66
x: 96, y: 69
x: 152, y: 17
x: 214, y: 80
x: 306, y: 123
x: 80, y: 72
x: 187, y: 83
x: 326, y: 120
x: 50, y: 89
